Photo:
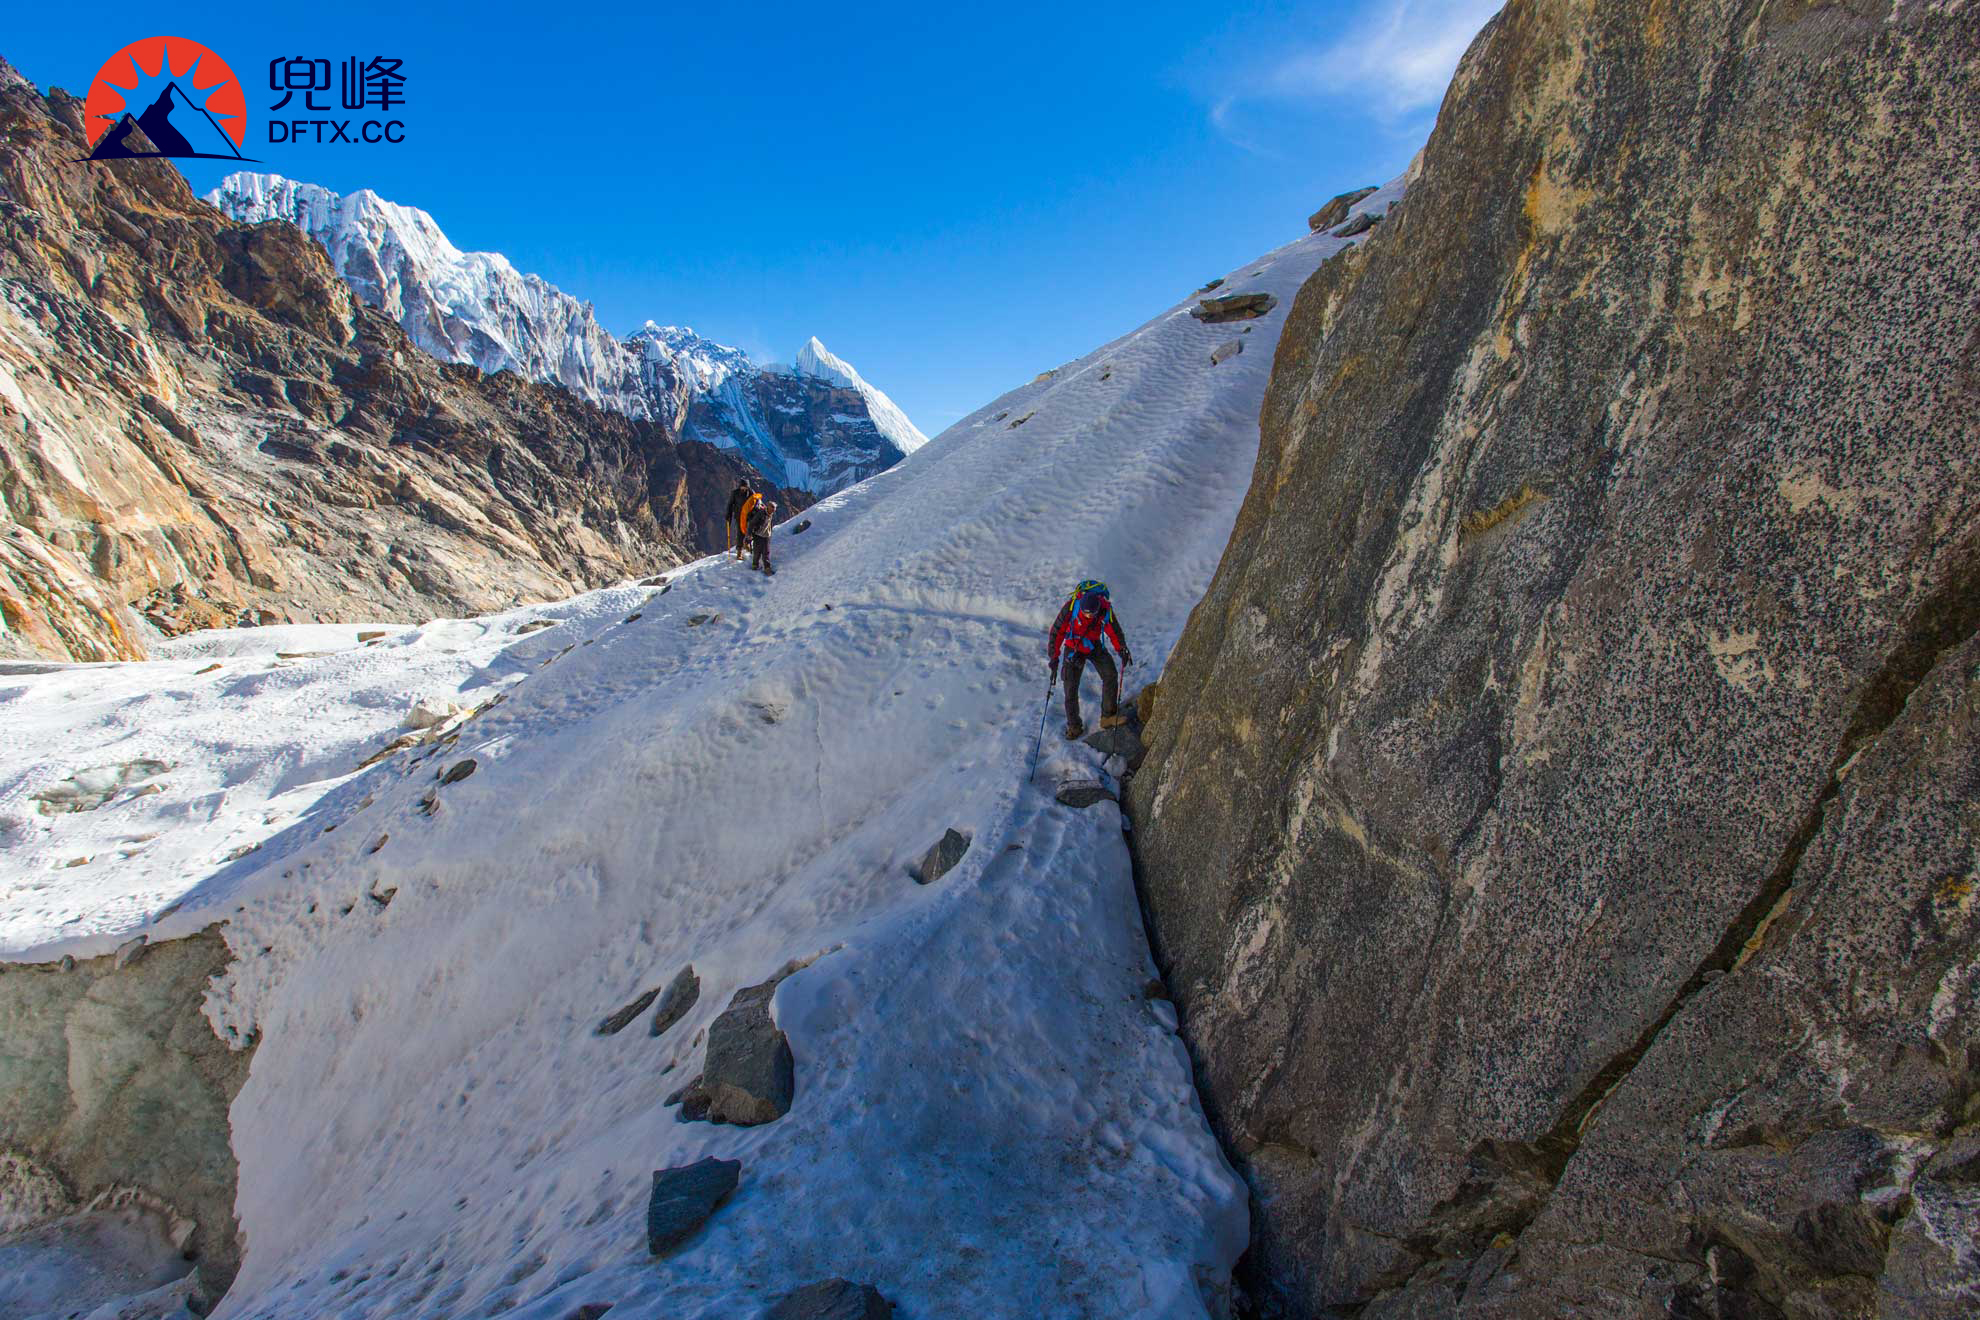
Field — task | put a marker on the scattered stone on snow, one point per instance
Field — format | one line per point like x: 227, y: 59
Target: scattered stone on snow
x: 86, y: 790
x: 634, y: 617
x: 832, y: 1299
x: 372, y: 635
x: 1236, y: 307
x: 1361, y: 224
x: 1225, y: 351
x: 130, y: 951
x: 683, y: 1198
x: 430, y: 712
x: 1336, y: 211
x: 748, y: 1076
x: 801, y: 526
x: 616, y: 1021
x: 1084, y: 793
x: 458, y: 771
x: 536, y: 625
x: 682, y: 993
x: 941, y: 857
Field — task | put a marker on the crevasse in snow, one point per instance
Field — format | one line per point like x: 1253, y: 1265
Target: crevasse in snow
x: 991, y: 1119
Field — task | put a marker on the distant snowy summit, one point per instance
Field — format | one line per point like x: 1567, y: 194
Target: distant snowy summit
x: 818, y: 426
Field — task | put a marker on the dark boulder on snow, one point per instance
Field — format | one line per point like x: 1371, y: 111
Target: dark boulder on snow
x: 458, y: 771
x: 683, y: 1199
x: 832, y: 1299
x: 1361, y: 224
x: 682, y: 994
x: 1236, y: 307
x: 749, y: 1076
x: 1336, y: 211
x: 617, y: 1021
x: 1225, y: 351
x: 1123, y: 740
x: 940, y: 859
x: 802, y: 526
x: 1084, y: 793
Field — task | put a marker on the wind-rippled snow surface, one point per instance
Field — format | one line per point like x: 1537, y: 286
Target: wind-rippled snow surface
x: 990, y: 1118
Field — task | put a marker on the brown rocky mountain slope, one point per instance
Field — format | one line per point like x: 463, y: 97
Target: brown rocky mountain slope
x: 1560, y: 822
x: 198, y: 420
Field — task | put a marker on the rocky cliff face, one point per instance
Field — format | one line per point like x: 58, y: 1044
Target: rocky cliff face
x: 198, y: 422
x: 1559, y: 827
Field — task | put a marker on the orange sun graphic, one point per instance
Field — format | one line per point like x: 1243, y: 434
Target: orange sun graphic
x: 119, y: 86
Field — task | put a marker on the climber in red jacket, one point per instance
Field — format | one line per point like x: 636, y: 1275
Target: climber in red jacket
x: 1086, y: 620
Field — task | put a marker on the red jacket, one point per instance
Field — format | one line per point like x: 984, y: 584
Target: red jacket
x: 1080, y: 633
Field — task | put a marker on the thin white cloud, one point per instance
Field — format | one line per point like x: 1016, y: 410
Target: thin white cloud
x: 1400, y: 52
x: 1394, y: 58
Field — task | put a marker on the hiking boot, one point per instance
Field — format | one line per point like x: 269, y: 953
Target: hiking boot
x: 1074, y: 729
x: 1112, y: 721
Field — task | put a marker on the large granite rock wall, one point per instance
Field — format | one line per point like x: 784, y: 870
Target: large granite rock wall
x: 1560, y: 822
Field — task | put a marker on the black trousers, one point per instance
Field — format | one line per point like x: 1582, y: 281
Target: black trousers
x: 1110, y: 682
x: 759, y: 552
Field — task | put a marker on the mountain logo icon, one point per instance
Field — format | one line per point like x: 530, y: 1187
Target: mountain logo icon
x: 163, y: 97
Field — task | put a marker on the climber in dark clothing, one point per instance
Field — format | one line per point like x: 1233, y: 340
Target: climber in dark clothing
x: 761, y: 514
x: 736, y: 532
x: 1086, y: 621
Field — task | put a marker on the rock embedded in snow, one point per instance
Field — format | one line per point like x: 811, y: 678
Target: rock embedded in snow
x: 86, y: 790
x: 1336, y: 211
x: 683, y: 992
x: 1361, y: 224
x: 617, y: 1020
x: 1225, y: 351
x: 832, y: 1299
x: 430, y: 712
x: 749, y: 1076
x: 1084, y: 793
x: 1123, y: 740
x: 683, y: 1198
x: 1236, y: 307
x: 942, y: 857
x: 458, y: 771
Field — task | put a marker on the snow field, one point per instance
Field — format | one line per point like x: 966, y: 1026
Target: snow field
x: 991, y: 1118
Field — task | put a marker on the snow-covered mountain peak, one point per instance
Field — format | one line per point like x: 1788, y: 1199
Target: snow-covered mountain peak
x: 814, y: 359
x: 797, y: 425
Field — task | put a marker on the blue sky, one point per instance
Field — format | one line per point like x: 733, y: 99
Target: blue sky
x: 953, y: 198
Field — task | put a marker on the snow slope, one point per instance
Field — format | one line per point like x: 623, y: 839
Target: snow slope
x: 737, y: 772
x: 475, y: 307
x: 814, y: 359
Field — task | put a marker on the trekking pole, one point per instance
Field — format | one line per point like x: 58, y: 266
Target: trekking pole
x: 1038, y: 747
